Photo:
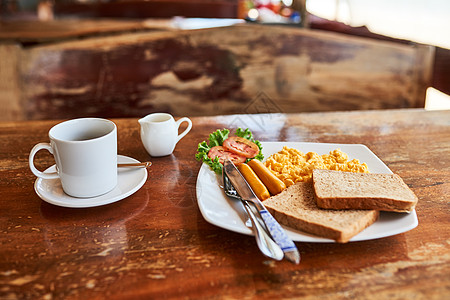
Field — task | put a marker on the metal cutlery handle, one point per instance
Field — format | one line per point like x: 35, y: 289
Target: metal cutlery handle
x: 277, y: 232
x: 265, y: 243
x: 135, y: 165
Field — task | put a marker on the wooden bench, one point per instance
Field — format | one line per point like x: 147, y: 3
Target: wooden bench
x: 240, y: 69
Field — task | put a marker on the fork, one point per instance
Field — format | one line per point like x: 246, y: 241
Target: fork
x: 264, y: 241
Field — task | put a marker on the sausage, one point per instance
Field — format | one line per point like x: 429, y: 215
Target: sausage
x: 255, y: 183
x: 273, y: 183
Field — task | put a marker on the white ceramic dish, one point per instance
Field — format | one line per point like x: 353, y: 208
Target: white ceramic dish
x: 226, y: 213
x: 129, y: 181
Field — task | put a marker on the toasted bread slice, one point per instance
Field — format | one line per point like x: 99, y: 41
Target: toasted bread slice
x: 347, y: 190
x: 296, y: 207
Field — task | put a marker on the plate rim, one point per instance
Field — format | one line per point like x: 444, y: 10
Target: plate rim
x: 293, y: 233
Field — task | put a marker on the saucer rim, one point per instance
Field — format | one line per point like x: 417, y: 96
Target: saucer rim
x: 73, y: 202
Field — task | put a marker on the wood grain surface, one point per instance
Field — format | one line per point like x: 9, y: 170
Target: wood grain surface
x: 155, y: 244
x: 211, y: 71
x: 29, y: 32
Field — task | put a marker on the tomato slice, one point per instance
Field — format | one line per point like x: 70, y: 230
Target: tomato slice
x: 223, y: 154
x: 241, y: 146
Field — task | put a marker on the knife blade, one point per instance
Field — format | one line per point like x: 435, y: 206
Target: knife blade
x: 273, y: 227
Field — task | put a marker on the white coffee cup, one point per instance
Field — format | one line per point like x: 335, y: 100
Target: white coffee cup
x: 159, y: 133
x: 85, y: 151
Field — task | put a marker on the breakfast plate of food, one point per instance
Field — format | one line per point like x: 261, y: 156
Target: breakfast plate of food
x: 315, y: 224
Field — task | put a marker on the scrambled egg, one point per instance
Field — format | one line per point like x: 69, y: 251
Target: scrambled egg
x: 291, y: 165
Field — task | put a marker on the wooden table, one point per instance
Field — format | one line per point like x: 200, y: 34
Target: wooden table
x: 156, y: 244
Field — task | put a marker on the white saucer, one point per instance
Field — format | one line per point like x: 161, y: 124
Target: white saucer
x: 128, y: 182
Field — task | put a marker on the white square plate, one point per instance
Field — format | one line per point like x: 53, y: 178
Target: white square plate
x: 229, y: 214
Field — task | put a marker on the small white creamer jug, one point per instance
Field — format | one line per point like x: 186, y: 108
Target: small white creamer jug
x: 159, y: 133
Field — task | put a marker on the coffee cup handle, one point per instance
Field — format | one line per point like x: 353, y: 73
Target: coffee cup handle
x: 35, y: 171
x: 184, y: 119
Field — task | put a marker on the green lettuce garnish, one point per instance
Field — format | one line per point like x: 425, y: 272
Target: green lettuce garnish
x: 216, y: 139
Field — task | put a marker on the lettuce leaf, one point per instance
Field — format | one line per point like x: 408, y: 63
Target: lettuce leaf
x: 216, y: 138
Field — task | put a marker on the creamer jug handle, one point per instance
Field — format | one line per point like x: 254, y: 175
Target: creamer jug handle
x: 189, y: 127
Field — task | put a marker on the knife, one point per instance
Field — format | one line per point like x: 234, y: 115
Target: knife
x: 263, y: 239
x: 276, y: 231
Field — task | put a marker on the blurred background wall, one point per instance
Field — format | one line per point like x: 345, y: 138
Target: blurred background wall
x: 45, y: 43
